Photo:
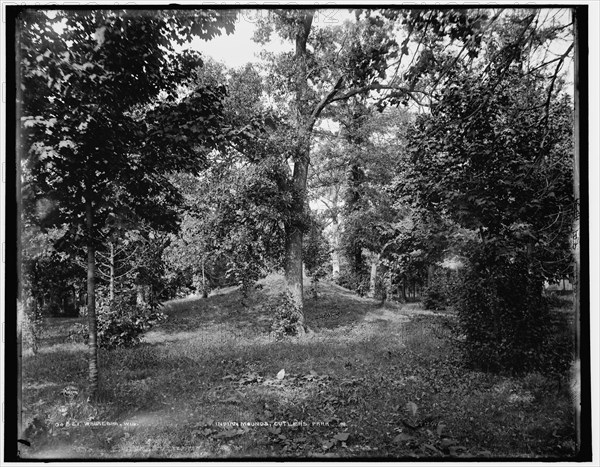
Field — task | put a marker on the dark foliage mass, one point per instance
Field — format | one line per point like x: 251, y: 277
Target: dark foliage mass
x: 502, y: 314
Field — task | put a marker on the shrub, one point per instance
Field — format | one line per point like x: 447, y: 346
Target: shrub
x: 503, y: 315
x: 357, y: 282
x: 441, y: 292
x: 78, y: 332
x: 121, y: 321
x: 287, y: 317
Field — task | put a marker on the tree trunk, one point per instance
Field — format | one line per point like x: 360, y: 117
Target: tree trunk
x: 301, y: 158
x: 293, y: 242
x: 91, y: 302
x: 373, y: 281
x: 293, y: 273
x: 204, y: 288
x: 335, y: 254
x: 430, y: 271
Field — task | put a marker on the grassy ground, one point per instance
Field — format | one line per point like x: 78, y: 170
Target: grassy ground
x: 366, y: 382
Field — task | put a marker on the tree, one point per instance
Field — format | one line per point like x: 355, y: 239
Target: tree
x: 498, y: 163
x: 334, y: 64
x: 234, y: 212
x: 91, y: 135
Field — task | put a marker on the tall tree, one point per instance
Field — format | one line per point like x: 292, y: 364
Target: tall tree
x: 329, y: 65
x: 91, y: 138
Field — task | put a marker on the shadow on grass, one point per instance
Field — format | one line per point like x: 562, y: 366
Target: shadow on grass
x: 334, y: 307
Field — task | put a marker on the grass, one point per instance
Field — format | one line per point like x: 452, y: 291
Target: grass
x: 366, y: 382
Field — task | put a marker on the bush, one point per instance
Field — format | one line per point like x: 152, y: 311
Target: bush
x: 287, y: 317
x: 121, y: 321
x: 441, y: 292
x: 503, y: 316
x: 78, y: 333
x: 352, y: 281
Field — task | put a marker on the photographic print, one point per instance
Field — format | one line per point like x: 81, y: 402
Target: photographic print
x: 299, y: 233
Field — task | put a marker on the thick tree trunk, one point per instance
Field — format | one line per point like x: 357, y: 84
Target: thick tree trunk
x: 293, y: 273
x: 301, y: 158
x: 293, y: 241
x: 91, y: 301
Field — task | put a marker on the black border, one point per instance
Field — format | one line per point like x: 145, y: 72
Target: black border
x: 12, y: 217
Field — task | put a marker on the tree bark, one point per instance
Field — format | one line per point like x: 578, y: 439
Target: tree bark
x: 293, y: 242
x: 430, y: 271
x: 204, y: 288
x: 335, y: 254
x: 373, y: 281
x: 91, y: 301
x: 304, y: 125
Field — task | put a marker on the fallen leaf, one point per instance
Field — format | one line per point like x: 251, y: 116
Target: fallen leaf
x: 412, y: 408
x: 403, y: 437
x: 447, y: 442
x: 342, y: 436
x: 281, y: 374
x: 328, y: 444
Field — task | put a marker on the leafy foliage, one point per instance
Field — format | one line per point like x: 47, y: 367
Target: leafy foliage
x: 287, y: 316
x: 486, y: 162
x: 502, y: 314
x: 496, y: 161
x: 441, y: 292
x: 316, y: 252
x: 121, y: 321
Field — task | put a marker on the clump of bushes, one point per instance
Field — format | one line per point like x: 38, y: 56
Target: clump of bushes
x: 287, y: 317
x: 120, y: 322
x: 504, y: 318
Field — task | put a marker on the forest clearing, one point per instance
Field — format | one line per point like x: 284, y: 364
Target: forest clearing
x: 204, y: 384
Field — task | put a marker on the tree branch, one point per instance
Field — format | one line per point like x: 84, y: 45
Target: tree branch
x: 371, y: 87
x: 326, y: 100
